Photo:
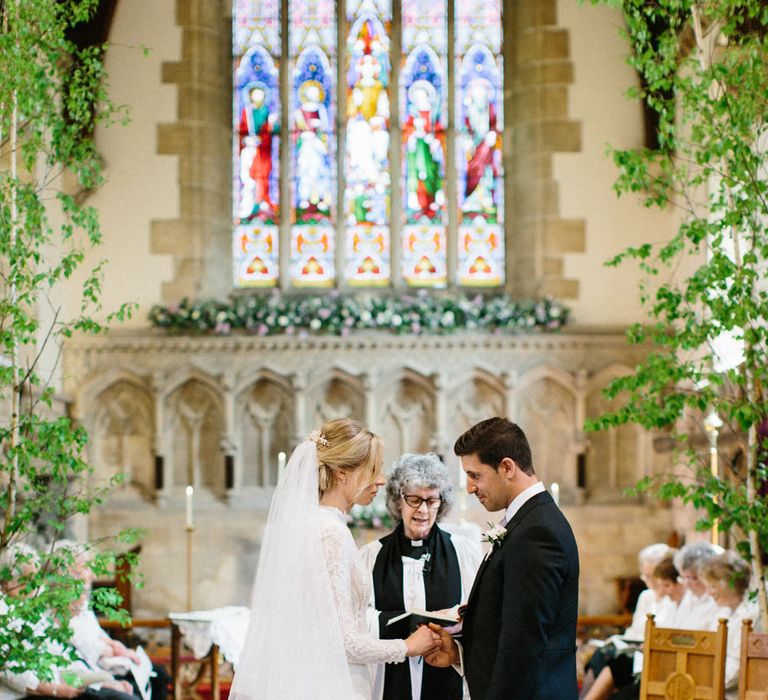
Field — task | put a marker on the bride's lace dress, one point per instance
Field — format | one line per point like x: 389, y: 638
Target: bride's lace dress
x: 351, y: 586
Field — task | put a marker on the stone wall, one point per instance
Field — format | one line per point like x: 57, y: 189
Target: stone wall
x: 214, y: 412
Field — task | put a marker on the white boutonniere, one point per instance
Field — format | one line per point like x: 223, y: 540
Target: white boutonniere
x: 495, y: 535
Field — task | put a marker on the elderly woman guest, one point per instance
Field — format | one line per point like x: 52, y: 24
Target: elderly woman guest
x: 727, y: 579
x: 418, y: 566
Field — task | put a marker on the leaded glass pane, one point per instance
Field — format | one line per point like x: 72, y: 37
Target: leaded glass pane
x: 313, y: 140
x: 423, y: 120
x: 255, y: 186
x: 367, y: 186
x: 479, y: 98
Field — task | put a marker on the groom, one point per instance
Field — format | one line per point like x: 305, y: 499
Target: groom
x: 519, y: 629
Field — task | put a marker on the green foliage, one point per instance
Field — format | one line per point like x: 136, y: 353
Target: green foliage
x: 702, y: 69
x: 52, y: 95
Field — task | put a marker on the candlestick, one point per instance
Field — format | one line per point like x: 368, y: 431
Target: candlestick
x: 190, y: 530
x: 280, y: 465
x: 555, y: 489
x: 190, y: 493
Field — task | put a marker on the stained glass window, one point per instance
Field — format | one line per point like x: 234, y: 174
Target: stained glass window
x: 338, y: 227
x: 366, y: 158
x: 479, y: 104
x: 256, y: 148
x: 312, y: 32
x: 423, y: 112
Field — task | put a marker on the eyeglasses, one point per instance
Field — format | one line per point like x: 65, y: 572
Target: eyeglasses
x: 415, y: 501
x: 687, y: 579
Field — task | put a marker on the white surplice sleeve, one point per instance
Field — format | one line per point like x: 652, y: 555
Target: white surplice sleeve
x: 368, y: 553
x: 350, y: 583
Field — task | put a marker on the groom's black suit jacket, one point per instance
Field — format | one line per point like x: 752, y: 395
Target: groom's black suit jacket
x: 519, y: 633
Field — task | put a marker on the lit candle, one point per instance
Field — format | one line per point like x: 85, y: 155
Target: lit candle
x: 190, y: 492
x: 555, y: 489
x: 280, y: 465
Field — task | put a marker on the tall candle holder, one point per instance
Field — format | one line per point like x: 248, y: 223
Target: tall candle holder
x: 190, y: 528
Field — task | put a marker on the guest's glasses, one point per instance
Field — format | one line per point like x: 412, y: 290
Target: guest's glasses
x: 415, y: 501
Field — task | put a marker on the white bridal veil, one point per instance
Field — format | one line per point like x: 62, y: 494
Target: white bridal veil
x: 293, y: 649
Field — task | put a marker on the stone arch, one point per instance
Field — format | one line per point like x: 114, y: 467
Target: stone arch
x: 479, y: 395
x: 194, y: 409
x: 546, y: 401
x: 613, y: 458
x: 407, y: 416
x: 87, y: 394
x: 339, y: 394
x: 265, y: 419
x: 122, y: 429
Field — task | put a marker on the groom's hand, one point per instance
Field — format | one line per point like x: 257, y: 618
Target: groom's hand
x: 447, y: 653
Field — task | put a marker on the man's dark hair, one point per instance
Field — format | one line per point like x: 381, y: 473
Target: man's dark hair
x: 492, y: 440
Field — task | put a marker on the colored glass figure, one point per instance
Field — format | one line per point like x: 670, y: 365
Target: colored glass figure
x: 367, y: 144
x: 479, y: 78
x: 255, y: 187
x: 422, y: 114
x: 313, y: 36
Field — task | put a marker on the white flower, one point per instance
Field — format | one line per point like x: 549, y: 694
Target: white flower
x: 315, y: 324
x: 495, y: 535
x: 282, y: 321
x: 397, y: 320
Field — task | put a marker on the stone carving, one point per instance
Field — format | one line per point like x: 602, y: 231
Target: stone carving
x: 122, y: 435
x: 193, y: 400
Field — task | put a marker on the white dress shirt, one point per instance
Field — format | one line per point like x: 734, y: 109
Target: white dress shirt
x: 521, y: 498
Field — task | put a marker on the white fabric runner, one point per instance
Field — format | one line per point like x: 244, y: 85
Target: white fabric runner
x: 224, y: 627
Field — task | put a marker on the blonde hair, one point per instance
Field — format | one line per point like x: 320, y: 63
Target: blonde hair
x: 345, y: 446
x: 728, y: 568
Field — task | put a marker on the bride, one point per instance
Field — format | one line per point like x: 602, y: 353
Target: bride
x: 308, y: 636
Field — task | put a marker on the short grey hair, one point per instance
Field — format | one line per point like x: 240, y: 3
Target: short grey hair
x: 693, y: 555
x: 653, y: 554
x: 419, y: 471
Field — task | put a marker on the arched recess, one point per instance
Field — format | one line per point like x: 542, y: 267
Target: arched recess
x: 477, y: 397
x: 195, y: 415
x: 407, y: 415
x: 122, y: 427
x: 340, y: 395
x: 546, y: 411
x: 614, y: 458
x: 265, y: 423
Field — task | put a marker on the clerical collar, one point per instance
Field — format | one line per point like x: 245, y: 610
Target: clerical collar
x: 417, y: 543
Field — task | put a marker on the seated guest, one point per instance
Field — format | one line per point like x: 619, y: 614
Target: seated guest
x: 670, y: 590
x: 699, y: 611
x: 418, y: 566
x: 21, y: 560
x: 619, y: 676
x: 93, y: 645
x: 648, y: 559
x: 727, y: 579
x: 647, y: 602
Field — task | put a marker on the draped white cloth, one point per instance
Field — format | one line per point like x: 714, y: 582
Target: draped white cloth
x: 225, y: 627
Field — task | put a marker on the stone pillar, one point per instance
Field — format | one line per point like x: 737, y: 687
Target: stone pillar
x: 537, y: 75
x: 200, y: 238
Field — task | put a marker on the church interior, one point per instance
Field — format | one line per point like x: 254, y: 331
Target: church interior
x: 397, y: 156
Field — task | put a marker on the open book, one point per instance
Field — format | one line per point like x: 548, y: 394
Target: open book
x: 423, y: 617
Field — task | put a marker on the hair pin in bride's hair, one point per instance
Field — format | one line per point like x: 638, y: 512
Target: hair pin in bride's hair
x: 318, y: 438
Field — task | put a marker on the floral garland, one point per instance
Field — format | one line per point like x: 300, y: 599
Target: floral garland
x: 372, y: 517
x: 341, y: 314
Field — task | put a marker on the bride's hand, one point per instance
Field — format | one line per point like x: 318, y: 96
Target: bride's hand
x: 422, y: 641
